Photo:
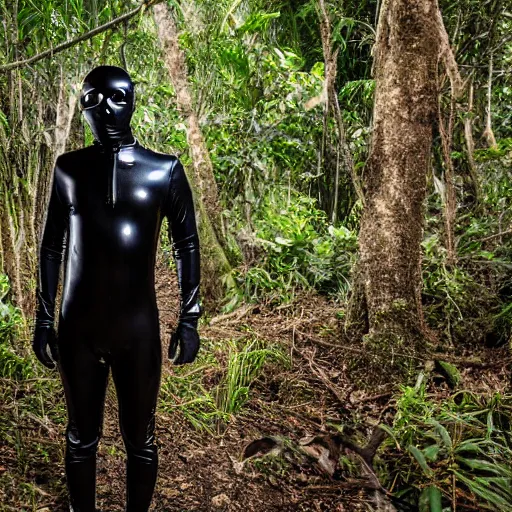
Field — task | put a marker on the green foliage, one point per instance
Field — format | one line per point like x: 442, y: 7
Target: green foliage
x: 12, y: 366
x: 268, y: 138
x: 10, y: 316
x: 430, y: 500
x: 262, y: 105
x: 456, y: 302
x: 193, y: 400
x: 243, y: 367
x: 458, y: 447
x: 262, y: 116
x: 298, y: 250
x: 206, y: 402
x: 468, y: 301
x: 503, y: 148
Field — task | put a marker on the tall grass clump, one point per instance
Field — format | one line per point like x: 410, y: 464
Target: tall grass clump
x: 218, y: 387
x: 244, y: 365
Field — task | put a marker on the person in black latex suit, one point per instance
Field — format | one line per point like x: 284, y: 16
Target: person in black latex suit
x: 104, y: 216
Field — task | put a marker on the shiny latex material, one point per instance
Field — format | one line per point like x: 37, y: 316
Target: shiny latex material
x: 103, y: 219
x: 107, y: 103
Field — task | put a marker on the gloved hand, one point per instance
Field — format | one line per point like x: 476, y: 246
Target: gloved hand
x: 45, y: 337
x: 186, y: 337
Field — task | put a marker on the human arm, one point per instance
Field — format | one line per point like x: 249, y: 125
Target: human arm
x: 51, y: 254
x: 179, y: 209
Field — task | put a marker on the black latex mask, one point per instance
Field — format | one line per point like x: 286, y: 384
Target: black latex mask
x: 107, y: 102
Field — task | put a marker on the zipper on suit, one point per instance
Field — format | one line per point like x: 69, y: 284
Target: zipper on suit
x: 112, y: 180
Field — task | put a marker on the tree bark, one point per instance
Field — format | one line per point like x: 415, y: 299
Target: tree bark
x: 386, y: 303
x: 215, y: 252
x: 488, y: 134
x: 470, y: 144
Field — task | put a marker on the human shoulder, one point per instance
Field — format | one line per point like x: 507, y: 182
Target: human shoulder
x: 70, y: 158
x: 170, y: 162
x: 157, y: 156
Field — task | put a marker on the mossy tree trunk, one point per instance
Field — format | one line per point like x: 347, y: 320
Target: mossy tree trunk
x: 215, y: 253
x: 386, y: 301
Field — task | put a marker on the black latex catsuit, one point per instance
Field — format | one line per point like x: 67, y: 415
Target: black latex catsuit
x: 104, y: 216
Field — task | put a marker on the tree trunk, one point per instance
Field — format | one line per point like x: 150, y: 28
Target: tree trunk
x: 214, y: 247
x: 386, y: 303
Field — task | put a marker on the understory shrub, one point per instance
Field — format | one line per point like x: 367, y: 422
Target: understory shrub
x: 451, y: 454
x: 298, y: 249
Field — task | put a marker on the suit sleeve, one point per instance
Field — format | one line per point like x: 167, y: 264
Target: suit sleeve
x: 179, y: 210
x: 51, y: 254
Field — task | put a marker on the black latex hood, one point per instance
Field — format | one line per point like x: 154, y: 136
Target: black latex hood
x: 107, y: 101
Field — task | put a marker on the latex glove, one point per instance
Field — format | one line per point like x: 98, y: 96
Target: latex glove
x: 186, y: 338
x: 45, y: 337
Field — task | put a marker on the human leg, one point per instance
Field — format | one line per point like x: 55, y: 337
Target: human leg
x: 85, y: 378
x: 136, y: 373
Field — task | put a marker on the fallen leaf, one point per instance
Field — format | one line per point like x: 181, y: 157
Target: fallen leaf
x: 261, y: 447
x: 220, y: 500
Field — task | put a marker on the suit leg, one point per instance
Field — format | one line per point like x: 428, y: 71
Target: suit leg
x: 136, y: 372
x: 85, y: 379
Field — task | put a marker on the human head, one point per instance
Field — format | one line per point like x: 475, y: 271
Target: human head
x: 107, y: 102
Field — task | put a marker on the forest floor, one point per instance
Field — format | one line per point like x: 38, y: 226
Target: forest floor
x: 201, y: 469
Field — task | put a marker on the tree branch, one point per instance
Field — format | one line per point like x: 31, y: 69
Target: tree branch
x: 448, y: 57
x: 88, y: 35
x: 497, y: 235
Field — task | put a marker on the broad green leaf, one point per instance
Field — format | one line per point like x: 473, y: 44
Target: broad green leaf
x: 418, y: 455
x: 484, y: 465
x: 430, y: 500
x: 445, y: 435
x: 431, y: 452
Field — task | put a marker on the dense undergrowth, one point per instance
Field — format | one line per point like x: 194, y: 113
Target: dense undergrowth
x: 450, y: 451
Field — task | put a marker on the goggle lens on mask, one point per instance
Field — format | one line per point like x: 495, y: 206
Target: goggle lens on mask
x: 94, y: 98
x: 91, y: 99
